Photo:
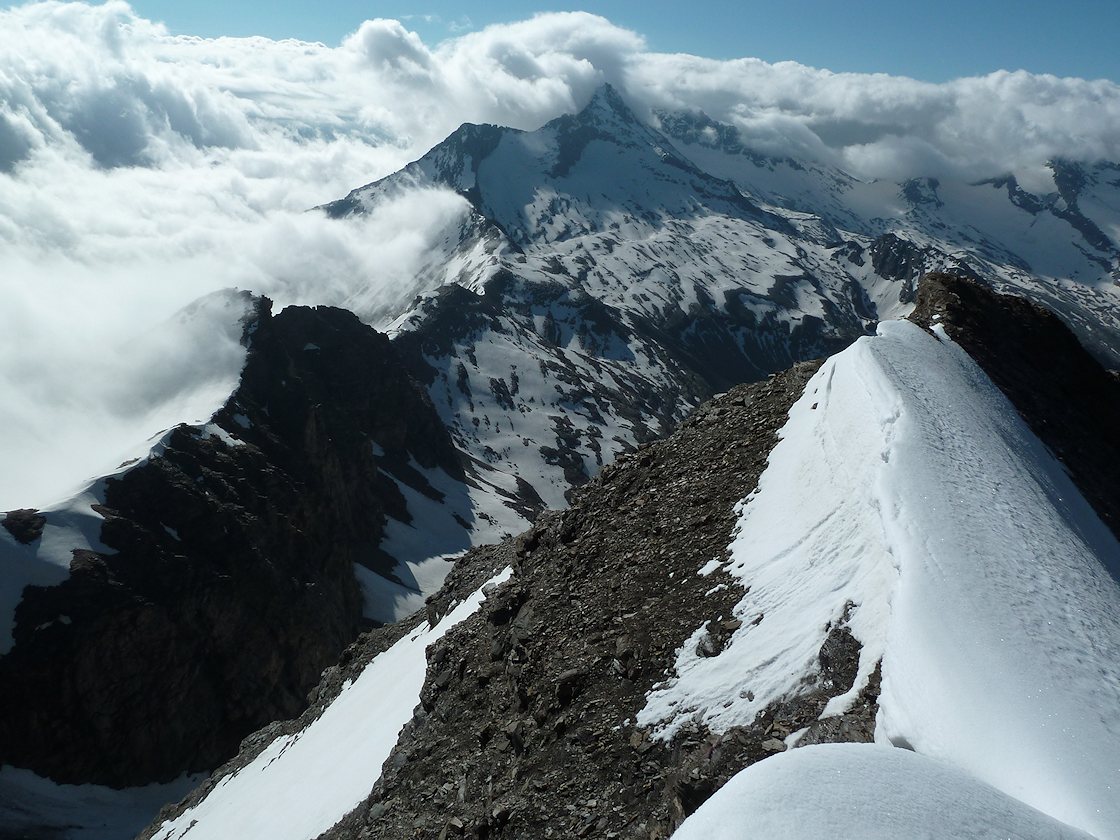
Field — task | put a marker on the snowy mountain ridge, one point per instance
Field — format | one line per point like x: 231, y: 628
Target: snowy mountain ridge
x: 666, y: 255
x: 601, y: 168
x: 909, y: 565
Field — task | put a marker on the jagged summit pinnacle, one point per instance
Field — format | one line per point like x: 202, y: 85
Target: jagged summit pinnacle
x: 607, y: 102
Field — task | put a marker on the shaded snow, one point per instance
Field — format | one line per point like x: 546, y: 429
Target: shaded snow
x: 906, y: 484
x: 866, y: 791
x: 302, y: 784
x: 441, y: 529
x: 46, y: 561
x: 386, y: 601
x: 34, y: 807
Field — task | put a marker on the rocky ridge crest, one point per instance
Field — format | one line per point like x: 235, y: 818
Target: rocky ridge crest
x: 228, y: 583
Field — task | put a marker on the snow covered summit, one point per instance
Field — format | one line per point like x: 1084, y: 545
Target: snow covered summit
x: 644, y: 262
x: 599, y: 169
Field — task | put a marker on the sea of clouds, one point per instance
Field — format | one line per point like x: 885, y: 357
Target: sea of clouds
x: 141, y: 170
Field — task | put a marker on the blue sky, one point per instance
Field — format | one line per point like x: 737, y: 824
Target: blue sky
x: 930, y: 41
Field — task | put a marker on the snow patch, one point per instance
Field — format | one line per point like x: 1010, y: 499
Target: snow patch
x: 709, y: 567
x: 214, y: 430
x: 302, y: 784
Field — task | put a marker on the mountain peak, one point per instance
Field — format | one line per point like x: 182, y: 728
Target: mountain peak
x: 607, y: 102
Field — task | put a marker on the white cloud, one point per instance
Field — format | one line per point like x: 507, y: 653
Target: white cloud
x: 139, y: 170
x: 885, y: 126
x: 391, y: 50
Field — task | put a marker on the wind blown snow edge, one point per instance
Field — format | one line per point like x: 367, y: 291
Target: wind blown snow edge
x: 905, y: 484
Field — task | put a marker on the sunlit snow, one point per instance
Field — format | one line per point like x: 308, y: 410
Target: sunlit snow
x: 906, y: 484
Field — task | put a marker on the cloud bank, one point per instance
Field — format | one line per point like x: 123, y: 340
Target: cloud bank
x: 140, y: 170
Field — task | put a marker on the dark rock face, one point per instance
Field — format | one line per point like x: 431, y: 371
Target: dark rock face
x: 25, y: 525
x: 526, y: 716
x: 232, y: 584
x: 1069, y: 401
x: 899, y: 259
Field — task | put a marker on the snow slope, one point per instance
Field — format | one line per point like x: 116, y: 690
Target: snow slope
x: 907, y: 485
x: 302, y: 784
x: 865, y: 791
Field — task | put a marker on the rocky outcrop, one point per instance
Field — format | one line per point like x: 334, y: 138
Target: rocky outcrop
x: 1066, y: 397
x: 899, y: 259
x: 228, y: 582
x: 26, y: 525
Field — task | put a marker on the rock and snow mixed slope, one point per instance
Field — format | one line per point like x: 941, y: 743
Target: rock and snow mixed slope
x: 913, y: 566
x: 642, y: 264
x: 598, y: 602
x: 1058, y: 245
